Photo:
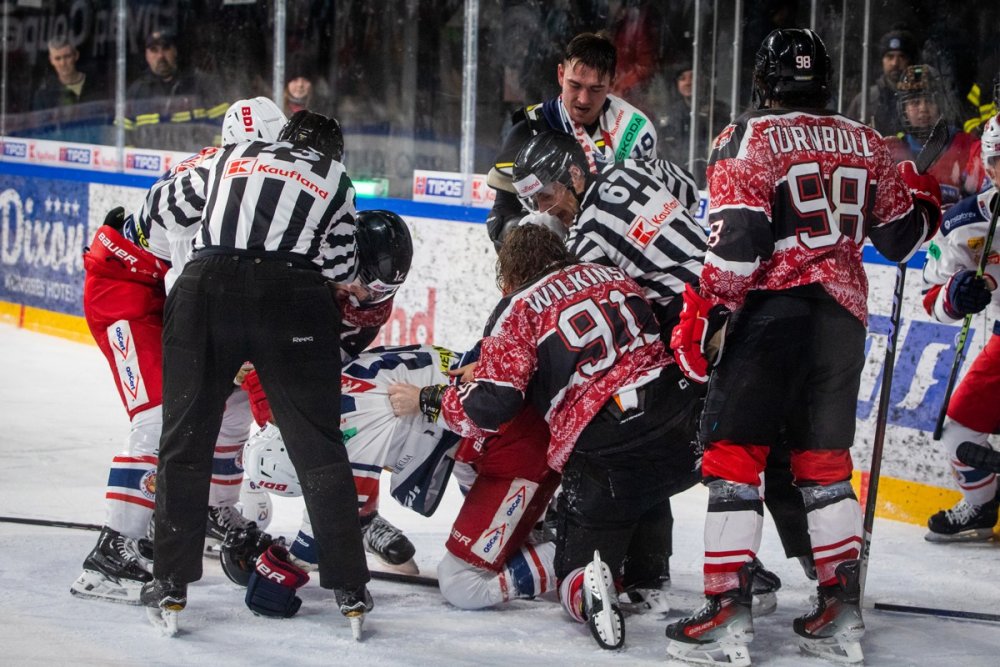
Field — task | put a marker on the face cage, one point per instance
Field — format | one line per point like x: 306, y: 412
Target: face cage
x: 921, y: 133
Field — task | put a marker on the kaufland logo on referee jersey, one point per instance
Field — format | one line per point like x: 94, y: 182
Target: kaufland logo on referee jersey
x: 242, y: 167
x: 74, y: 155
x: 143, y: 162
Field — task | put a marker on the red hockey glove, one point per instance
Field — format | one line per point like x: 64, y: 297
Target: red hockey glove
x: 926, y: 194
x: 272, y: 586
x: 689, y: 339
x: 259, y: 406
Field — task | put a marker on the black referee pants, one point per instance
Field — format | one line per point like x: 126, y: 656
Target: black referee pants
x: 222, y: 311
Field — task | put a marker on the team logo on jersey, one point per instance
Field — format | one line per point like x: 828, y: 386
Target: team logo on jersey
x: 975, y: 243
x: 147, y: 485
x: 724, y: 137
x: 242, y: 167
x: 349, y: 385
x: 642, y: 231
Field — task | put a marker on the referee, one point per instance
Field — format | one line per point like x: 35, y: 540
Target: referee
x: 277, y: 230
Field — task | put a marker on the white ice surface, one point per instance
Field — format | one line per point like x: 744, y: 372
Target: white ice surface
x: 61, y: 422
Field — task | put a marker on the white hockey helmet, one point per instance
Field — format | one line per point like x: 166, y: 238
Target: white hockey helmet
x: 990, y: 145
x: 266, y: 463
x: 258, y: 119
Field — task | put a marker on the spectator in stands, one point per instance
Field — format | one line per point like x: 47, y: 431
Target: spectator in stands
x: 898, y: 48
x: 66, y: 85
x: 302, y: 91
x: 921, y: 104
x: 169, y: 105
x: 675, y: 124
x: 165, y: 88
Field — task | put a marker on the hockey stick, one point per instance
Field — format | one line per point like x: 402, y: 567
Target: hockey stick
x: 979, y: 456
x: 934, y: 146
x: 931, y: 611
x: 381, y: 575
x: 963, y: 335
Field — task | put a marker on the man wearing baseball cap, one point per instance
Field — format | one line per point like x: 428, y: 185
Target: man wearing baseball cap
x: 898, y: 50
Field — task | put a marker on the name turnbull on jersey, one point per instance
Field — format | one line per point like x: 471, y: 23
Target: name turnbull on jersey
x: 822, y: 138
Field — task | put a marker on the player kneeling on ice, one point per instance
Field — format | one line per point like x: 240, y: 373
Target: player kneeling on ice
x: 960, y: 279
x: 418, y: 456
x: 584, y: 339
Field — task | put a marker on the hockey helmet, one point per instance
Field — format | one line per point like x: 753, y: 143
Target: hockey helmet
x: 258, y: 119
x: 990, y: 145
x: 312, y: 130
x: 919, y: 82
x: 385, y: 251
x: 267, y: 465
x: 545, y: 159
x: 792, y: 65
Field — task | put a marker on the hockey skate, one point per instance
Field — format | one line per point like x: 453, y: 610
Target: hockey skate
x: 645, y: 601
x: 163, y: 600
x: 720, y: 632
x: 220, y: 521
x: 354, y: 604
x: 388, y: 544
x: 112, y: 571
x: 600, y: 605
x: 764, y: 588
x: 834, y: 628
x: 963, y: 523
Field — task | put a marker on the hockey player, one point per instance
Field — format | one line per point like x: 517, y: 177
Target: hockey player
x: 794, y: 191
x: 384, y: 254
x: 418, y: 455
x: 278, y: 226
x: 921, y: 104
x: 953, y: 291
x: 608, y: 128
x: 124, y: 294
x: 585, y: 340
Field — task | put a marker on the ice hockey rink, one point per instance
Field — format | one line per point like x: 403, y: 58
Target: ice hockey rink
x: 61, y: 422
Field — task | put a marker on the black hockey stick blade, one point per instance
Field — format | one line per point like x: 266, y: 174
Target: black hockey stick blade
x: 931, y: 611
x: 978, y: 456
x: 402, y: 578
x: 936, y: 142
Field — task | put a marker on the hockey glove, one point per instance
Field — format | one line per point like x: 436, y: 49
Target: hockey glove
x: 115, y: 219
x: 691, y: 338
x: 926, y: 194
x: 259, y: 406
x: 271, y: 591
x: 239, y: 551
x: 430, y: 401
x: 966, y: 294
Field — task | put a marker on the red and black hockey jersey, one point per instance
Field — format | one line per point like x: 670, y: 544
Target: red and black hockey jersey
x: 793, y: 196
x: 568, y: 342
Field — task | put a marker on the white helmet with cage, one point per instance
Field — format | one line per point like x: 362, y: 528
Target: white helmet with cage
x: 990, y: 145
x: 257, y: 119
x: 266, y: 463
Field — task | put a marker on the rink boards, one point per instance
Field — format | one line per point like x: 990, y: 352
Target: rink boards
x: 48, y: 215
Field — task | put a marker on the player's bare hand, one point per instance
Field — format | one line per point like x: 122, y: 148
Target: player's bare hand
x: 404, y: 399
x: 464, y: 373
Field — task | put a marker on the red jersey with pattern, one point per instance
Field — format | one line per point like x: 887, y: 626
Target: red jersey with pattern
x: 793, y: 195
x: 568, y: 343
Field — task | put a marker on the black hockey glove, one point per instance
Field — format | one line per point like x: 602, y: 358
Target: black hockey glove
x: 966, y: 294
x: 271, y: 591
x: 239, y: 551
x: 430, y: 401
x: 115, y: 218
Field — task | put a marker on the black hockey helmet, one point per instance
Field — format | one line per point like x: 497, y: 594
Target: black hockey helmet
x: 313, y: 130
x: 792, y: 66
x: 920, y: 82
x: 545, y: 159
x: 385, y: 251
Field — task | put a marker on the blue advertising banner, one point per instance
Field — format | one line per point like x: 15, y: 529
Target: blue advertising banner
x: 43, y: 231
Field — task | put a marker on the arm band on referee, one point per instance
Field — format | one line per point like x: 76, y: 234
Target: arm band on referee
x: 430, y: 401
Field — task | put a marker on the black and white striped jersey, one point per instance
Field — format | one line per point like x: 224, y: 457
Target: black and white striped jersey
x: 277, y: 198
x: 637, y: 215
